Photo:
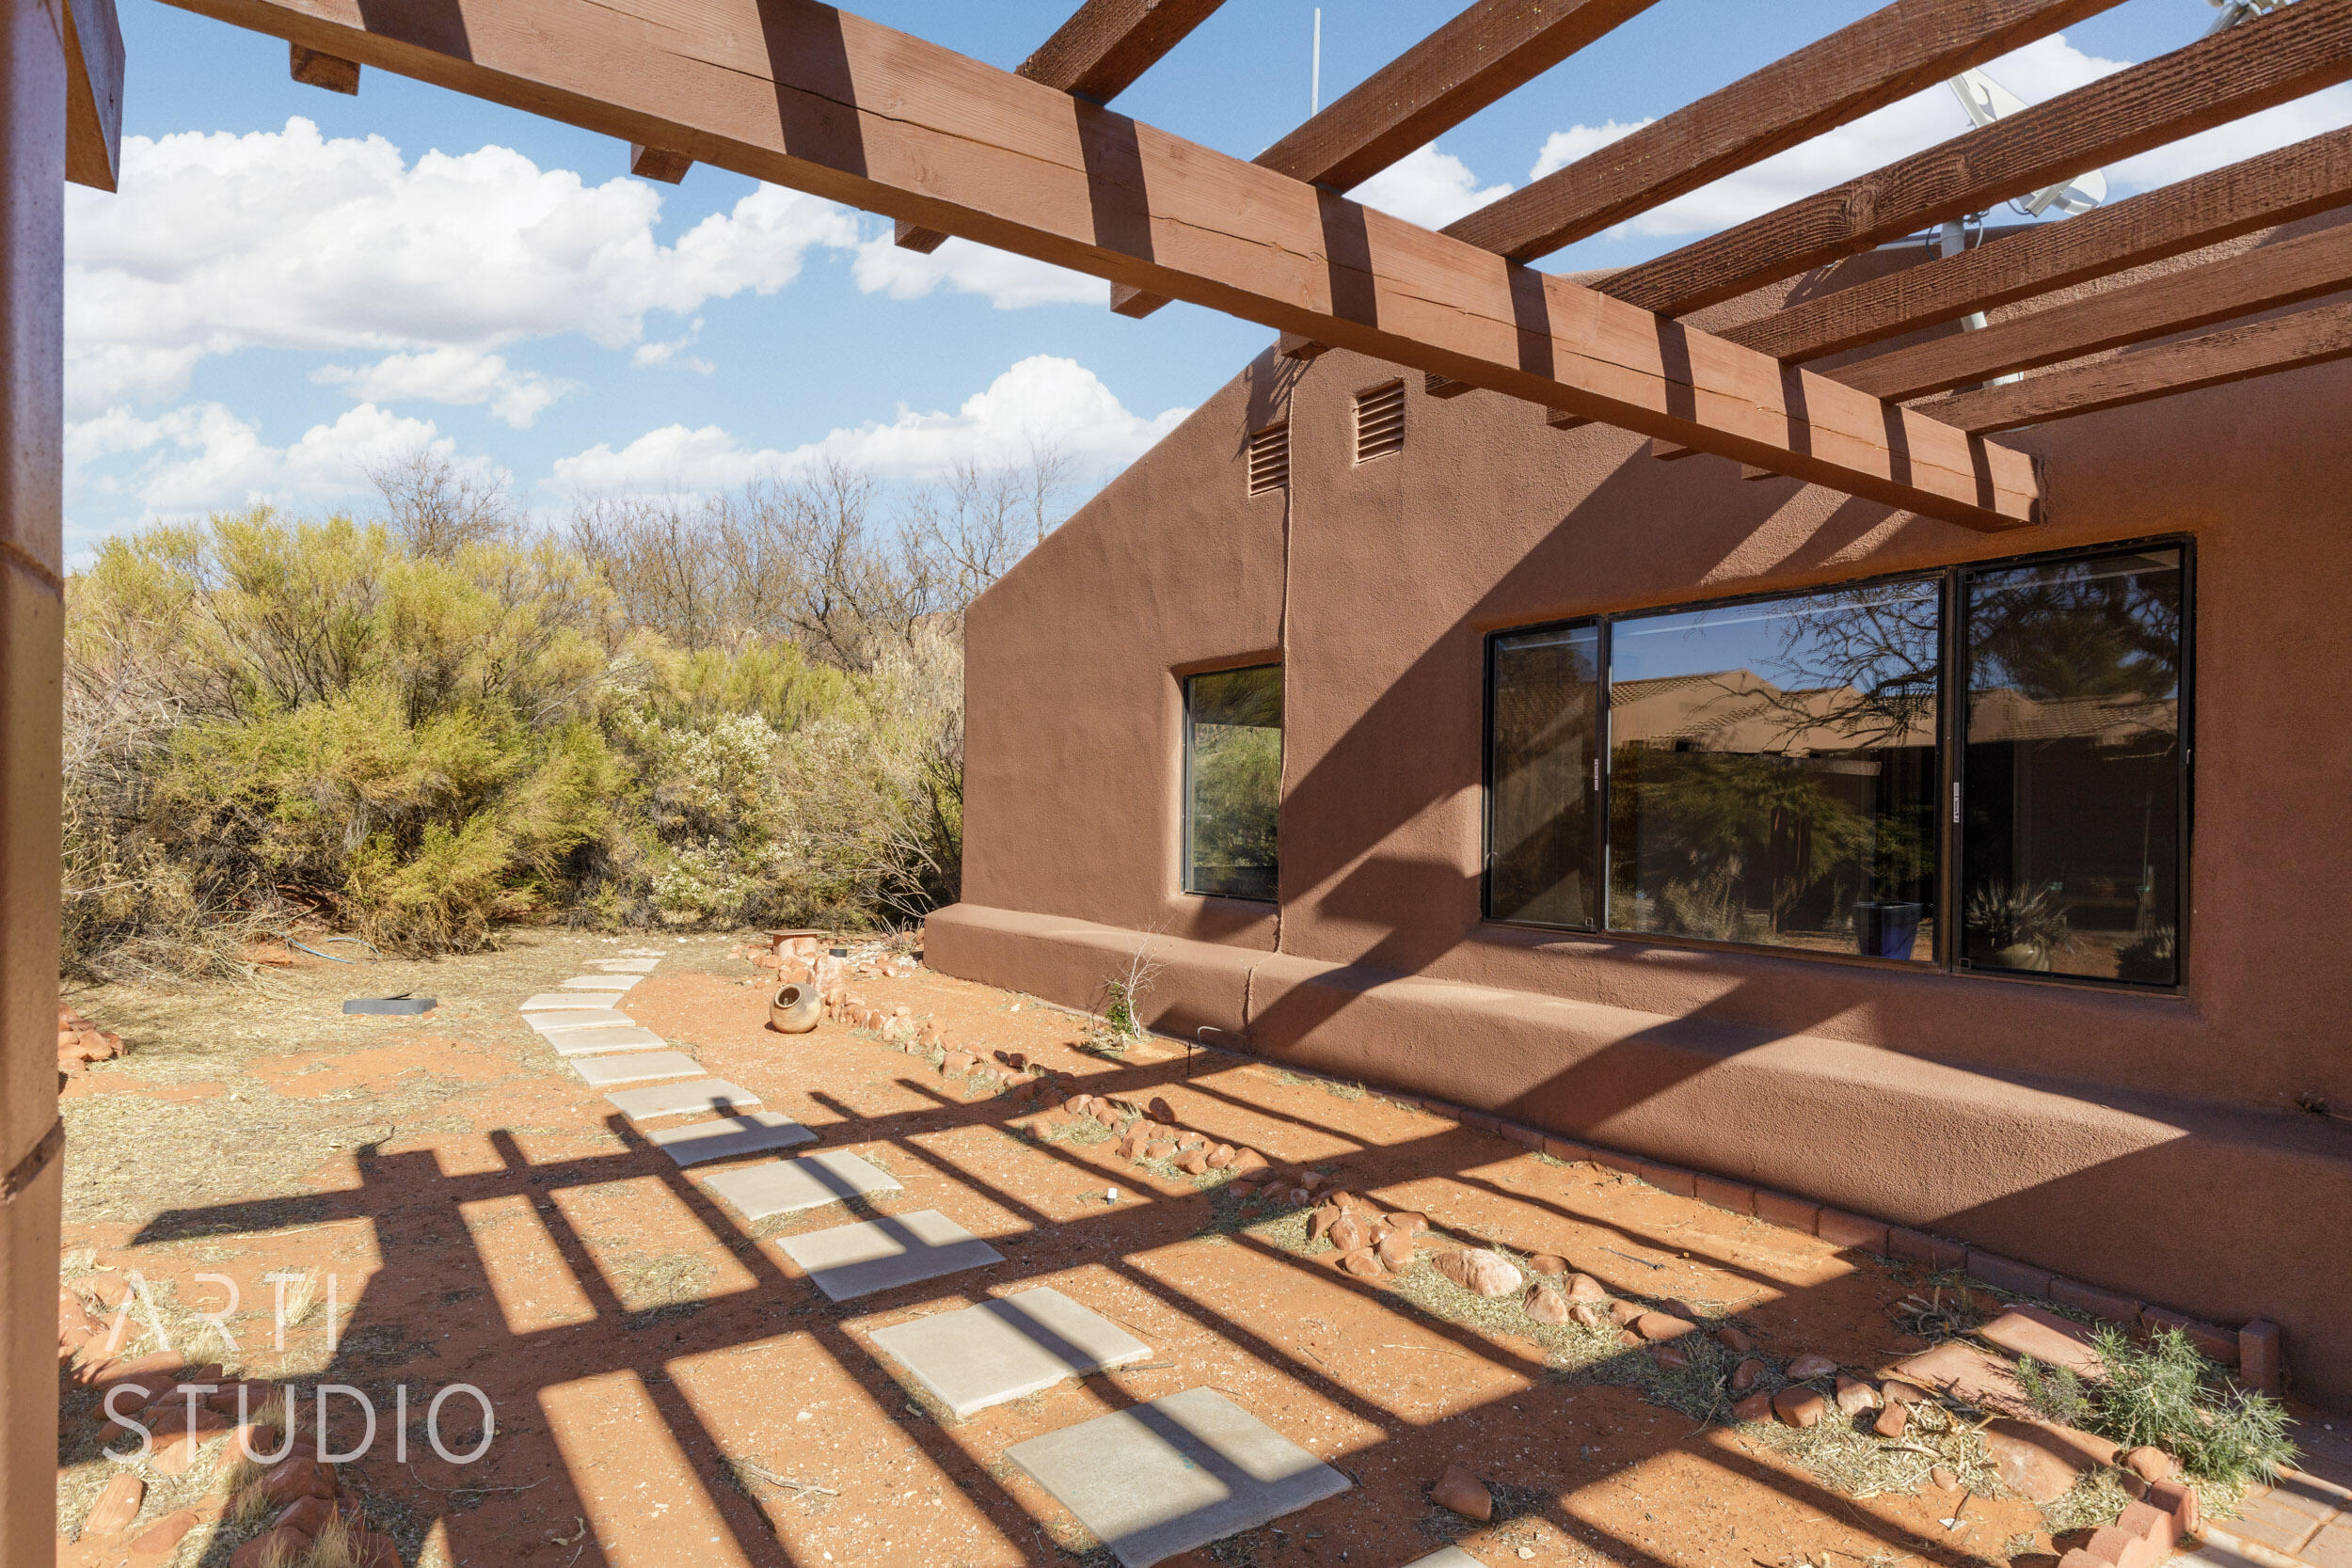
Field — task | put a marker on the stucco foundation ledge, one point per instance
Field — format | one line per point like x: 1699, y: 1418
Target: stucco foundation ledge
x: 2176, y: 1201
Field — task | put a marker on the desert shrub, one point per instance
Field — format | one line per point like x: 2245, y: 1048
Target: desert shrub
x: 2163, y: 1392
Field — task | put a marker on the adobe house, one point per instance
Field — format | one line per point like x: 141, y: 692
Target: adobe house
x: 1976, y: 881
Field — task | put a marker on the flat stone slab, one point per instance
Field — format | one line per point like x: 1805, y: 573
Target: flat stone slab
x: 1165, y: 1478
x: 1453, y: 1556
x: 597, y: 1071
x: 643, y: 953
x: 1000, y: 1349
x: 682, y: 1100
x: 552, y: 1019
x: 590, y: 1042
x: 858, y: 1260
x: 745, y: 1132
x: 802, y: 1183
x: 561, y: 1001
x: 601, y: 982
x: 623, y: 966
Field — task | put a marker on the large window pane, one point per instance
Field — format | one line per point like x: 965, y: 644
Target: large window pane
x: 1546, y: 710
x: 1234, y: 773
x: 1773, y: 771
x: 2071, y: 855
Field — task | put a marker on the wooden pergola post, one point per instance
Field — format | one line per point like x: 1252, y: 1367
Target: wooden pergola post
x: 33, y: 114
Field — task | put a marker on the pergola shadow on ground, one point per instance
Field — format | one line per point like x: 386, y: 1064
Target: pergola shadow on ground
x: 478, y: 1511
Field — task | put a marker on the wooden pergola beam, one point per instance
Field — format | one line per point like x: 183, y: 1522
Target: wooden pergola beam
x: 1101, y: 51
x: 1488, y: 51
x: 801, y: 95
x: 94, y: 93
x: 1886, y: 55
x: 2287, y: 343
x: 2292, y: 51
x: 2285, y: 273
x: 2274, y: 188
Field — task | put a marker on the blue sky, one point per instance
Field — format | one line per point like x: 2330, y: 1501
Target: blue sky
x: 293, y: 284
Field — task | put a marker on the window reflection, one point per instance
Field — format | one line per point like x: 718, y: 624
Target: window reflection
x: 1547, y: 708
x: 2073, y: 767
x: 1773, y: 771
x: 1234, y: 736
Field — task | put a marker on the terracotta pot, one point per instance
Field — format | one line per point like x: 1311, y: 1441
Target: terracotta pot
x: 794, y: 1009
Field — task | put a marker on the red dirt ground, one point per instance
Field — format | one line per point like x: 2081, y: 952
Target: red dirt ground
x: 639, y: 1341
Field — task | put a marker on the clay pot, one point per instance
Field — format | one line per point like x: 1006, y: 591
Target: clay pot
x: 794, y: 1009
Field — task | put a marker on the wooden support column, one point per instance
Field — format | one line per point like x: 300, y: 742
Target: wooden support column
x: 314, y: 68
x: 33, y: 119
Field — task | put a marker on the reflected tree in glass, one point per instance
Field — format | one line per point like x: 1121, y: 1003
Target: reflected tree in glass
x: 1547, y: 712
x: 2071, y: 851
x: 1773, y: 771
x: 1234, y: 766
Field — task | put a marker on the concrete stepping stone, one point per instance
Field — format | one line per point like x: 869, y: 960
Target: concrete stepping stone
x: 551, y: 1019
x: 564, y: 1001
x: 601, y: 982
x: 1000, y: 1349
x: 597, y: 1071
x: 590, y: 1042
x: 643, y: 953
x: 1453, y: 1556
x: 623, y: 966
x: 875, y: 1255
x: 802, y: 1183
x: 682, y: 1100
x: 1165, y: 1478
x: 746, y: 1132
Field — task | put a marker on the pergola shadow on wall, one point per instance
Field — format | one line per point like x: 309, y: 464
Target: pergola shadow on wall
x: 1034, y: 162
x: 649, y: 1347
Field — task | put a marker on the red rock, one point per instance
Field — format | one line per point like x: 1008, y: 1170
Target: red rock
x: 1799, y: 1406
x: 1855, y: 1396
x: 1192, y: 1140
x: 1160, y: 1151
x: 1362, y: 1263
x: 1893, y: 1422
x: 1743, y: 1376
x: 2040, y: 1459
x: 176, y: 1455
x: 117, y: 1507
x: 1624, y: 1312
x: 2157, y: 1526
x: 1810, y: 1365
x: 2026, y: 1330
x: 280, y: 1549
x: 370, y: 1550
x: 1193, y: 1161
x: 1548, y: 1265
x: 2079, y: 1558
x: 1221, y: 1157
x: 1247, y: 1160
x: 1407, y: 1221
x: 1322, y: 1220
x: 1396, y: 1251
x: 1755, y: 1407
x: 163, y: 1536
x: 1347, y: 1232
x: 2119, y: 1548
x: 1461, y: 1492
x: 1584, y: 1287
x: 1735, y: 1340
x: 1481, y: 1271
x: 296, y: 1478
x: 2150, y: 1464
x: 1654, y: 1326
x: 1131, y: 1147
x: 1107, y: 1117
x: 1943, y: 1480
x: 1160, y: 1110
x: 1670, y: 1355
x: 308, y: 1516
x: 1546, y: 1307
x: 1895, y: 1391
x: 1969, y: 1375
x: 1586, y: 1314
x: 2178, y: 1499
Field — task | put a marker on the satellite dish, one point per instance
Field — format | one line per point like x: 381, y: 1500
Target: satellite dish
x: 1987, y: 100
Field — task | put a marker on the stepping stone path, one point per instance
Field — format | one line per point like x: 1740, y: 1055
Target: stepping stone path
x: 1175, y: 1474
x: 1453, y: 1556
x: 601, y: 982
x: 589, y: 1041
x: 750, y: 1133
x: 623, y: 966
x: 682, y: 1100
x: 1001, y: 1349
x: 599, y: 1071
x: 561, y: 1001
x: 858, y: 1260
x: 579, y: 1018
x: 759, y: 1191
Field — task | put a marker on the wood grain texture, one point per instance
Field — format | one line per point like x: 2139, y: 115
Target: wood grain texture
x: 315, y: 68
x: 1098, y: 54
x: 1886, y: 55
x: 2287, y: 343
x: 2296, y: 49
x: 2285, y: 272
x: 93, y: 102
x: 1488, y: 50
x: 2276, y: 187
x: 654, y: 163
x: 821, y: 100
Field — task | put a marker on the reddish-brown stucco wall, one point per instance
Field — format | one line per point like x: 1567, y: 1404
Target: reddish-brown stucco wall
x: 2145, y: 1141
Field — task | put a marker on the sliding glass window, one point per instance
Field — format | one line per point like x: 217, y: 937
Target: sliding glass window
x: 1545, y: 689
x: 1233, y: 780
x: 1774, y: 772
x: 2074, y: 774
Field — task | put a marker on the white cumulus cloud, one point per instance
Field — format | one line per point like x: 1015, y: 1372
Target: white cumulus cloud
x: 452, y: 375
x: 1427, y: 187
x: 202, y: 457
x: 1008, y: 281
x: 1043, y: 400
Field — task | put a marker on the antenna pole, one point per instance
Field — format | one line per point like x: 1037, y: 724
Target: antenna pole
x: 1315, y: 79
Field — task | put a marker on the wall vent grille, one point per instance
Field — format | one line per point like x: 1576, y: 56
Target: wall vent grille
x: 1270, y: 459
x: 1380, y: 421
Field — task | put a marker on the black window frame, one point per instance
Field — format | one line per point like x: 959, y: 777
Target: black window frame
x: 1952, y: 742
x: 1184, y: 837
